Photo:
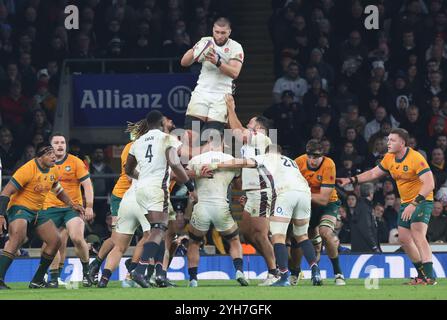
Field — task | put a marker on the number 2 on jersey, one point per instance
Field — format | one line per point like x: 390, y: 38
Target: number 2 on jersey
x: 149, y: 153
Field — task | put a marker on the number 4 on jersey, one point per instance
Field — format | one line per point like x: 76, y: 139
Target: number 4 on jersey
x: 149, y: 153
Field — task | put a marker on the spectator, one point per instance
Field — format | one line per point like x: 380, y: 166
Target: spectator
x: 37, y: 139
x: 28, y: 154
x: 353, y: 47
x: 378, y: 152
x: 15, y: 108
x: 291, y: 81
x: 413, y: 143
x: 383, y: 231
x: 343, y: 98
x: 392, y: 208
x: 343, y: 228
x: 9, y: 152
x: 437, y: 227
x: 352, y: 119
x: 290, y: 120
x: 40, y: 124
x: 438, y: 168
x: 102, y: 186
x: 385, y: 188
x: 373, y: 126
x: 415, y: 124
x: 385, y: 129
x: 324, y: 69
x: 349, y: 152
x: 45, y: 100
x: 357, y: 140
x: 363, y: 226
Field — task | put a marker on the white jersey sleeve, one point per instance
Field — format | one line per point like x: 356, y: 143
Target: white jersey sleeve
x: 256, y: 145
x: 211, y: 79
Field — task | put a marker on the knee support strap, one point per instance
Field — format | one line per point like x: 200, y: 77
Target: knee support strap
x: 300, y: 230
x: 159, y: 225
x: 317, y: 240
x: 194, y: 237
x: 327, y: 223
x: 231, y: 235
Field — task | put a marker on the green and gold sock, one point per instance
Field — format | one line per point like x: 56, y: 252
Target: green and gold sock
x: 428, y: 269
x: 45, y: 262
x: 419, y: 269
x: 5, y: 261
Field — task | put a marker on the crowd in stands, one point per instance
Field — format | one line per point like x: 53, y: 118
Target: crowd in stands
x: 348, y: 87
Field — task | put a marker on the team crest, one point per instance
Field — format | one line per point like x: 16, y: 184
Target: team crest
x: 405, y: 168
x: 68, y: 168
x: 226, y: 50
x: 319, y: 178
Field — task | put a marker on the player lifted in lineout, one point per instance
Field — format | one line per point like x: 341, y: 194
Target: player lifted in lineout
x: 154, y: 153
x: 21, y: 200
x: 291, y: 202
x: 213, y: 208
x: 320, y: 173
x: 73, y: 173
x: 415, y: 184
x: 222, y: 60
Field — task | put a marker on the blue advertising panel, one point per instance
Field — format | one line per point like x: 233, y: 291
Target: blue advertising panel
x: 109, y: 100
x: 221, y: 267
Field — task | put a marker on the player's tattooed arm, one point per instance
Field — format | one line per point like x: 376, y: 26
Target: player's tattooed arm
x: 131, y: 165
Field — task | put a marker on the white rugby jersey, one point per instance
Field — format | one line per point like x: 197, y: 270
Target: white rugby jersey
x: 211, y: 79
x: 213, y: 190
x: 150, y: 152
x: 281, y: 173
x: 257, y: 143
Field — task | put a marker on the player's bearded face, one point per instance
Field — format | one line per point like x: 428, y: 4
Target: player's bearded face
x: 221, y: 34
x: 59, y: 145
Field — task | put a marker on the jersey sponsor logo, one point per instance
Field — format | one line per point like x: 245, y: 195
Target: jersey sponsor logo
x: 278, y: 210
x: 68, y: 168
x: 41, y: 189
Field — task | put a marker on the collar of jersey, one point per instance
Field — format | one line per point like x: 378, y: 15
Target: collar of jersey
x: 403, y: 158
x: 316, y: 169
x: 40, y: 168
x: 63, y: 159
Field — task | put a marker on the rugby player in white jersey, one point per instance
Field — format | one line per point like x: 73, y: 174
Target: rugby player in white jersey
x: 254, y: 225
x: 213, y: 208
x: 154, y: 152
x: 222, y: 65
x: 291, y: 201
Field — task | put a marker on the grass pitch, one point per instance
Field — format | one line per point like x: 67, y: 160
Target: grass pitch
x: 389, y: 289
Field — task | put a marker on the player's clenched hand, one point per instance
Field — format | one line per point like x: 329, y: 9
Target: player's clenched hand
x: 206, y: 172
x: 408, y: 212
x: 79, y: 209
x: 342, y: 181
x: 2, y: 224
x: 211, y: 56
x: 88, y: 214
x: 229, y: 100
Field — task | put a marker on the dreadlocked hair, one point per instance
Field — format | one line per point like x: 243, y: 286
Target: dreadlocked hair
x: 137, y: 129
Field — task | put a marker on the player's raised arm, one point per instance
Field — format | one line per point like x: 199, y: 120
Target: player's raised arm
x: 370, y: 175
x: 240, y: 132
